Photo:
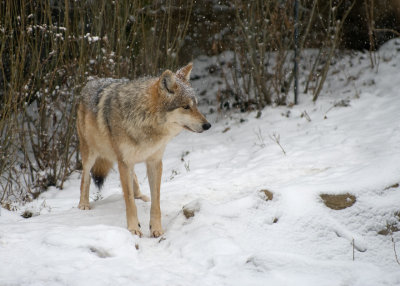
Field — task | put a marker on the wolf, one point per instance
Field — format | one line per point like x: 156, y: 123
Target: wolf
x: 130, y: 122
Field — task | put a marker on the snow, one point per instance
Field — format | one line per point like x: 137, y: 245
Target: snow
x: 236, y: 236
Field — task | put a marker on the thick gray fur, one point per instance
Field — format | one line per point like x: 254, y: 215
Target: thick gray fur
x: 92, y: 91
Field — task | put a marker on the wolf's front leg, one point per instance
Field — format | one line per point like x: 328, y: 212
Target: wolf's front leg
x: 136, y: 189
x: 131, y: 211
x: 154, y: 172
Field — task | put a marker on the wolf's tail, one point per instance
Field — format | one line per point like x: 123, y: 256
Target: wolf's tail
x: 100, y: 170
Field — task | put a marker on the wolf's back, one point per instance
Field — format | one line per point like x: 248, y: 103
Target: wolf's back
x: 92, y: 91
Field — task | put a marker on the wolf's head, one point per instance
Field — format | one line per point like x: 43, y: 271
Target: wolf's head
x: 180, y: 101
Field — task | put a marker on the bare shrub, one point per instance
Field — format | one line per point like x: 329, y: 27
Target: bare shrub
x: 261, y: 70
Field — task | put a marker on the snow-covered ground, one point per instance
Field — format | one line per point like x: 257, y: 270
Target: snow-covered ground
x: 236, y: 236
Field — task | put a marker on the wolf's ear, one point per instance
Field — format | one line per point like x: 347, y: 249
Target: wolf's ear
x: 168, y: 81
x: 184, y: 73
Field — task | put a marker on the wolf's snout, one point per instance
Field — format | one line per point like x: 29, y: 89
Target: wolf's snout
x: 206, y: 126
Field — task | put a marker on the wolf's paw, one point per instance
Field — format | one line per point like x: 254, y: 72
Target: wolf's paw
x: 84, y: 206
x: 143, y: 198
x: 136, y: 231
x: 156, y: 231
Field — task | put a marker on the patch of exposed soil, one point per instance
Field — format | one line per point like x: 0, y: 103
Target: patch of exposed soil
x: 191, y: 209
x: 188, y: 213
x: 338, y: 202
x: 268, y: 195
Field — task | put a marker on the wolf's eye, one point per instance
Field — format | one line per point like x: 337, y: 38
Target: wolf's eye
x: 186, y: 107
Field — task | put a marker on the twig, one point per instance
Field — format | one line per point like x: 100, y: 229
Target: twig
x: 394, y: 249
x: 260, y: 138
x: 187, y: 166
x: 334, y: 42
x: 306, y: 116
x: 388, y: 30
x: 341, y: 103
x: 276, y: 138
x: 353, y: 82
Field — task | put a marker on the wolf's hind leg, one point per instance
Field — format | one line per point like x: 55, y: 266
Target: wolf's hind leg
x: 136, y: 189
x: 127, y: 187
x: 87, y: 162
